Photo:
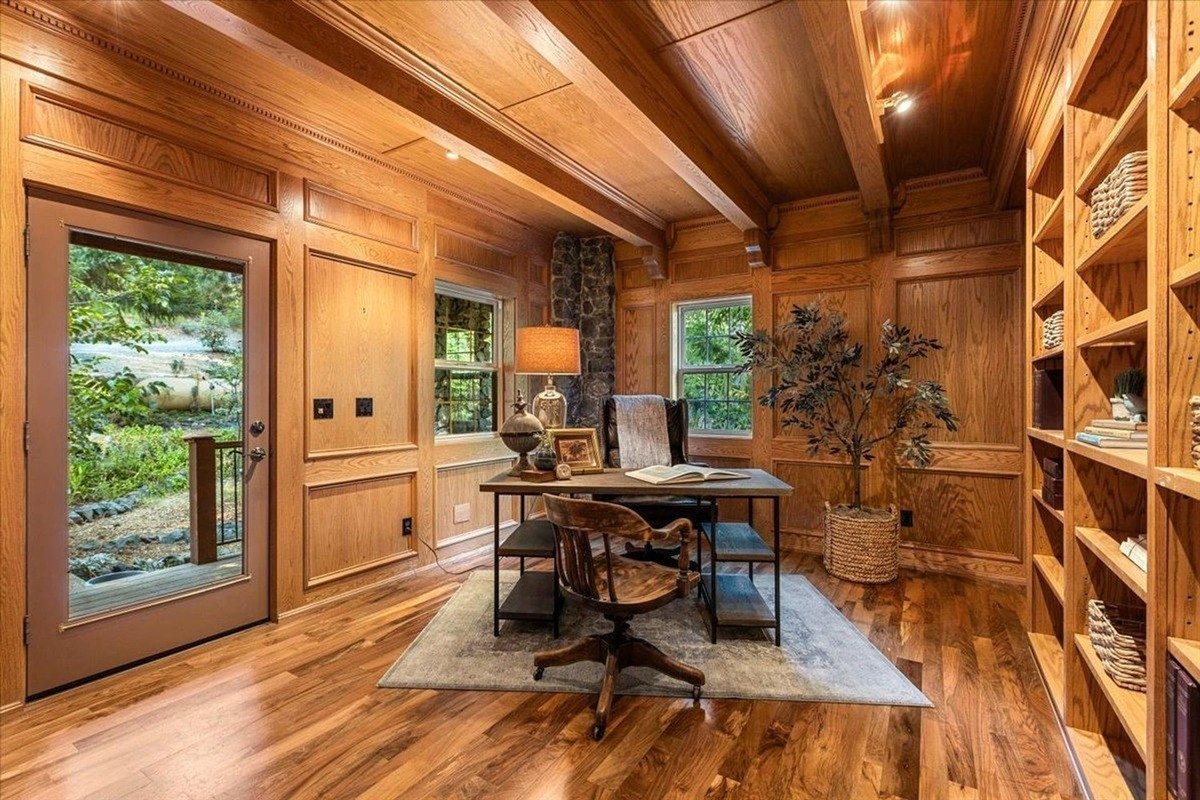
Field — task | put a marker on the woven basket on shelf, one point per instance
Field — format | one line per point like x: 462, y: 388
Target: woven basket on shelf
x: 1118, y: 634
x: 1119, y: 190
x: 865, y: 549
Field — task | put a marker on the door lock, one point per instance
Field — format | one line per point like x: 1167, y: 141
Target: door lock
x: 257, y: 427
x: 258, y: 454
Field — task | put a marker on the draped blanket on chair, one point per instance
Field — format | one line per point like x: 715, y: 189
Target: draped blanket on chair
x: 642, y: 430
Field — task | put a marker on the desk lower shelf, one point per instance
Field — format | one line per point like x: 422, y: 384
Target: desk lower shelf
x: 738, y: 603
x: 530, y: 539
x: 534, y: 597
x: 738, y: 541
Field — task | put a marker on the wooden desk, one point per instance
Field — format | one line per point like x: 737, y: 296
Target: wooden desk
x: 730, y: 599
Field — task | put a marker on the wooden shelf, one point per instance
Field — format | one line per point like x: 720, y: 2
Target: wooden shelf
x: 1125, y: 241
x: 1100, y: 770
x: 1188, y: 273
x: 1186, y: 652
x: 1052, y: 296
x: 1048, y: 654
x: 1124, y: 332
x: 1046, y: 355
x: 1106, y: 156
x: 1129, y: 706
x: 1187, y: 87
x: 1183, y: 480
x: 1132, y: 462
x: 1052, y: 571
x: 1047, y: 436
x: 1108, y: 550
x: 1057, y: 513
x: 1041, y: 158
x: 1051, y: 227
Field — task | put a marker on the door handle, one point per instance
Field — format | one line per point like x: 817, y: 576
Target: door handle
x: 258, y: 454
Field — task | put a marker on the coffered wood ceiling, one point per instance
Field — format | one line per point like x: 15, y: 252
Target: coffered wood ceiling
x: 617, y: 117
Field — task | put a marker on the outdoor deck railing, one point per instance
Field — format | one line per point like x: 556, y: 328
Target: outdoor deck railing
x: 215, y: 489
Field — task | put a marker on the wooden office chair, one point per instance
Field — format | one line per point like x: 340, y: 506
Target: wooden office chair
x: 617, y: 588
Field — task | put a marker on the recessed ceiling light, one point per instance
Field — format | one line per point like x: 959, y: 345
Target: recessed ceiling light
x: 900, y: 102
x: 453, y: 156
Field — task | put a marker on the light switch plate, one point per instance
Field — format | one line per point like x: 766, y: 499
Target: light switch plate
x: 462, y: 513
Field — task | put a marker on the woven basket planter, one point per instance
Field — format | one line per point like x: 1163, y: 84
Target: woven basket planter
x: 1118, y: 634
x: 865, y: 549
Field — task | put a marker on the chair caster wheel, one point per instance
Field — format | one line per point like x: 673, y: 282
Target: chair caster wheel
x: 598, y: 732
x: 538, y: 672
x: 696, y: 695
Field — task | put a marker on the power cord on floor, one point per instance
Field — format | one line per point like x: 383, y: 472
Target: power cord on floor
x: 438, y: 561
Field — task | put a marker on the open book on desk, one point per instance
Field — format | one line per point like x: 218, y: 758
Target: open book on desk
x: 683, y: 473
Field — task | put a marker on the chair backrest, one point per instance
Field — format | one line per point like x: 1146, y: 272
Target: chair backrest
x: 677, y: 431
x: 574, y: 522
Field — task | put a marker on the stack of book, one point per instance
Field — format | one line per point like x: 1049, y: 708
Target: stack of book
x: 1183, y: 740
x: 1134, y: 549
x: 1052, y: 331
x: 1121, y: 433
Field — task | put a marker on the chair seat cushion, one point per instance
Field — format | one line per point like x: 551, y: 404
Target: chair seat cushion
x: 636, y: 583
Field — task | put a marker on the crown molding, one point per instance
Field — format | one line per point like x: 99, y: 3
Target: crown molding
x: 60, y: 25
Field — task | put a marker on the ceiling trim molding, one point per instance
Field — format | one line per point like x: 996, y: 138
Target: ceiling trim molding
x: 56, y: 24
x: 611, y: 66
x: 345, y: 20
x: 1035, y: 79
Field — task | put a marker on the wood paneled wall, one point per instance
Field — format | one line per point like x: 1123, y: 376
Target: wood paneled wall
x: 953, y: 269
x: 352, y: 237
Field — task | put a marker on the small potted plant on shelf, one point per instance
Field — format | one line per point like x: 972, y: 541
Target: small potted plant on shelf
x: 848, y: 408
x: 1129, y: 395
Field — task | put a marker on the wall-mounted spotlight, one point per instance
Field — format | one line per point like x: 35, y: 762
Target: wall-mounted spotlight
x: 899, y: 102
x: 453, y: 156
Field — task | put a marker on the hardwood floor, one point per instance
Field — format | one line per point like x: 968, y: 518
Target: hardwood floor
x: 291, y: 711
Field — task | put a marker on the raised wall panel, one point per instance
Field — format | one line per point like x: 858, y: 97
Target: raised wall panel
x: 356, y: 525
x: 457, y: 490
x: 638, y: 366
x: 814, y: 483
x: 978, y: 320
x: 72, y: 126
x: 954, y: 235
x: 834, y: 250
x: 462, y: 249
x: 974, y: 514
x: 358, y: 343
x: 853, y: 302
x: 714, y: 266
x: 332, y: 209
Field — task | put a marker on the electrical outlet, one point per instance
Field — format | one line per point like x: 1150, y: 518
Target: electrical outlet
x: 363, y: 406
x: 462, y: 513
x: 906, y: 518
x: 406, y: 526
x: 323, y: 408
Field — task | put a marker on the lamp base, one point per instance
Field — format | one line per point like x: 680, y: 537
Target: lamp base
x: 550, y: 407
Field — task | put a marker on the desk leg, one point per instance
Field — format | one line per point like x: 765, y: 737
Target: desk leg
x: 496, y: 564
x: 778, y: 620
x: 750, y: 517
x: 712, y: 561
x: 522, y: 520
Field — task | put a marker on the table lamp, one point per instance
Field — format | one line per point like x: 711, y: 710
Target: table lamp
x: 548, y: 350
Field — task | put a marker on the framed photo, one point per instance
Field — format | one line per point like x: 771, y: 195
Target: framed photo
x: 578, y: 448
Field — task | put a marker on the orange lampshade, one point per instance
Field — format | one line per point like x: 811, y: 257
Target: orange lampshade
x: 547, y: 350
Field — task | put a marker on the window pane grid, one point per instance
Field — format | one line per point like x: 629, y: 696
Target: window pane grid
x: 466, y: 375
x: 718, y: 394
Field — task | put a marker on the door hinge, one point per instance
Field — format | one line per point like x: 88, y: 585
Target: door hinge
x: 27, y: 244
x: 25, y: 631
x: 27, y: 437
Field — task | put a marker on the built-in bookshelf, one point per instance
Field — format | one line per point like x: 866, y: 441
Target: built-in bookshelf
x: 1131, y: 299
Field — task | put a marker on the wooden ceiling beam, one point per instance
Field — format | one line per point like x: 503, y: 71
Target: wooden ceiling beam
x: 608, y: 63
x: 835, y: 32
x: 290, y: 31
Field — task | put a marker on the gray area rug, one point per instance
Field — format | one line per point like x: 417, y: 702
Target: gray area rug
x: 824, y: 658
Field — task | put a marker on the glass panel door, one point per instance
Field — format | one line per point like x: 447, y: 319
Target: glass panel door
x: 148, y: 476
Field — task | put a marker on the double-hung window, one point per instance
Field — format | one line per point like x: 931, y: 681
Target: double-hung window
x: 707, y: 363
x: 466, y: 358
